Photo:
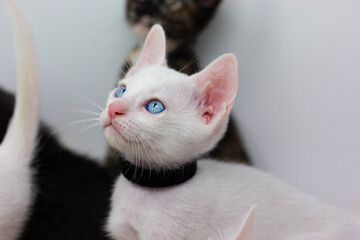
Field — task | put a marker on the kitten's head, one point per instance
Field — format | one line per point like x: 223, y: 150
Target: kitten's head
x: 182, y: 19
x: 158, y: 117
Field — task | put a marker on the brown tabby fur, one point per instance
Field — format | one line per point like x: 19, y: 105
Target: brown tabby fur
x: 182, y: 20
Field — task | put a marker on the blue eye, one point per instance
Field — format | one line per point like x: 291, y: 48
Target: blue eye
x: 121, y: 90
x: 155, y: 107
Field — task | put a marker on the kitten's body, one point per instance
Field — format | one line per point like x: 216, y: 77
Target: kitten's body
x: 183, y: 21
x: 218, y: 196
x: 193, y: 118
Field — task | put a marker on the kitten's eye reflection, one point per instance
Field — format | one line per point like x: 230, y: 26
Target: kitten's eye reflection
x: 155, y: 107
x: 120, y: 91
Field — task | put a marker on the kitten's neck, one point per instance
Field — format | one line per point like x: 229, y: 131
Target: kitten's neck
x: 157, y: 178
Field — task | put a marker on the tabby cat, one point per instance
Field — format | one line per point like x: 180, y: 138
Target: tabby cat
x: 182, y: 21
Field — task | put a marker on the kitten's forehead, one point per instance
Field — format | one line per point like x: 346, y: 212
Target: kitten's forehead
x: 156, y: 77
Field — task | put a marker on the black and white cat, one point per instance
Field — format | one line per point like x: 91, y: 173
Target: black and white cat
x: 19, y: 143
x: 46, y: 191
x: 162, y: 121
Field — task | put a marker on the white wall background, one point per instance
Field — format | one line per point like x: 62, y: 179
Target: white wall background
x: 298, y: 103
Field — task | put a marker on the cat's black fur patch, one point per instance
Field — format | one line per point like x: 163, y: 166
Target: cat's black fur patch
x: 71, y: 192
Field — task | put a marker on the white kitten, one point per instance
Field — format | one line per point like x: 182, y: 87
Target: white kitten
x: 162, y: 119
x: 19, y: 142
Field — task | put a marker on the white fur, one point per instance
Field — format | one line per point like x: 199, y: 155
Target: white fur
x: 18, y: 145
x: 219, y: 195
x: 244, y: 231
x: 148, y: 129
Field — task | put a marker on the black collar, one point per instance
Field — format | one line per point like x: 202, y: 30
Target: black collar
x: 157, y: 178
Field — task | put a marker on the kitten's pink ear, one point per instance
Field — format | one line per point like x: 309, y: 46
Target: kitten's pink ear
x: 217, y: 86
x: 154, y: 50
x: 247, y: 227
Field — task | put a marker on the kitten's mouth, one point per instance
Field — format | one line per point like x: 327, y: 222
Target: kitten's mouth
x: 111, y: 127
x: 113, y: 130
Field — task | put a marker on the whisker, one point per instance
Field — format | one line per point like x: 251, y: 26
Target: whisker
x: 131, y: 160
x: 89, y: 100
x: 147, y: 155
x: 82, y: 111
x: 123, y: 72
x: 134, y: 158
x: 83, y: 130
x: 192, y: 61
x: 82, y: 121
x: 71, y: 124
x: 140, y: 154
x: 150, y: 139
x: 135, y: 150
x: 132, y: 58
x: 127, y: 66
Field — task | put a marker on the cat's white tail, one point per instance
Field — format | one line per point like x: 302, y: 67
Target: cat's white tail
x: 20, y: 137
x: 18, y: 146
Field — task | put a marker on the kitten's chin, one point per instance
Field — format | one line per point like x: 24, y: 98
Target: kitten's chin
x: 115, y: 138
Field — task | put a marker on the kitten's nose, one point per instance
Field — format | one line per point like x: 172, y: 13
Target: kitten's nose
x: 116, y: 109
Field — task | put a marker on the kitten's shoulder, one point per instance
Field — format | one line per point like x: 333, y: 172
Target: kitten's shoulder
x: 242, y: 179
x: 232, y: 168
